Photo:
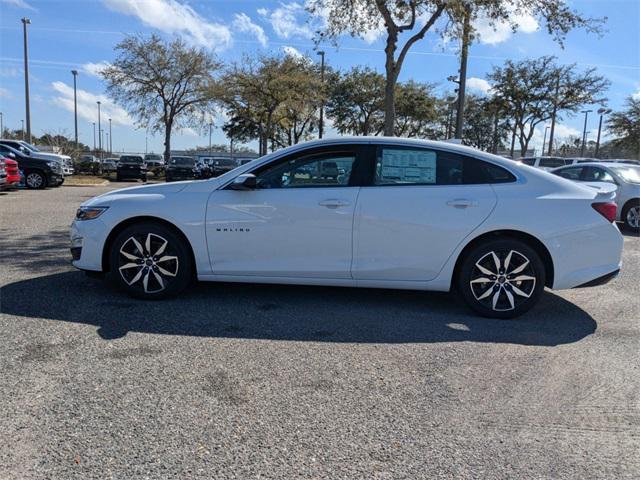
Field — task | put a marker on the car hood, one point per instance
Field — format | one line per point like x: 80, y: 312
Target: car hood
x: 150, y: 190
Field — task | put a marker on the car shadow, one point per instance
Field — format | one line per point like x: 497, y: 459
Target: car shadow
x: 292, y: 313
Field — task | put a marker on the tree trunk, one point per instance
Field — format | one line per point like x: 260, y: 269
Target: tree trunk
x: 167, y: 141
x: 390, y: 83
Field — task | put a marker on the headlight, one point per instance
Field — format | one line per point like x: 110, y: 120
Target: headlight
x: 89, y: 213
x: 53, y: 164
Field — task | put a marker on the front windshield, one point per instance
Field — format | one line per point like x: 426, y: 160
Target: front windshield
x: 30, y: 147
x: 131, y: 159
x: 183, y: 161
x: 628, y: 173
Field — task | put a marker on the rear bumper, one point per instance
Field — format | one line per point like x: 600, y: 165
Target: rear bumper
x: 600, y: 280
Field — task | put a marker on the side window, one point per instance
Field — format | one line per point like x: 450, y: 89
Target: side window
x: 570, y: 173
x: 320, y: 170
x: 407, y: 166
x: 552, y: 162
x: 529, y: 161
x: 595, y: 174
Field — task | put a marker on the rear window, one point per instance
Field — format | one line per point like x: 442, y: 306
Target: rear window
x: 552, y: 162
x: 627, y: 173
x: 407, y: 166
x: 131, y: 159
x: 183, y: 161
x: 528, y: 161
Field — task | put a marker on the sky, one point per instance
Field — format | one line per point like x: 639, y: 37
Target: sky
x: 81, y: 34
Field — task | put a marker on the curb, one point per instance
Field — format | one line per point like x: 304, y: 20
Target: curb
x: 106, y: 182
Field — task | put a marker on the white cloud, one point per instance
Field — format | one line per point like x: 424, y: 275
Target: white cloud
x: 95, y: 69
x: 244, y: 24
x: 4, y: 93
x: 9, y: 72
x: 478, y: 85
x: 292, y: 52
x: 18, y: 3
x: 285, y: 20
x: 636, y: 95
x: 563, y: 131
x: 498, y: 32
x: 87, y: 107
x: 173, y: 17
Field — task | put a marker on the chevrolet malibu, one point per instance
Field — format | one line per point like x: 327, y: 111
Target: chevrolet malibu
x: 406, y: 214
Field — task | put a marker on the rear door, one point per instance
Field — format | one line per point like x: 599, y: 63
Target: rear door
x: 420, y: 205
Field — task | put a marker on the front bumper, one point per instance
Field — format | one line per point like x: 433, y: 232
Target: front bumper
x: 86, y: 243
x: 604, y: 279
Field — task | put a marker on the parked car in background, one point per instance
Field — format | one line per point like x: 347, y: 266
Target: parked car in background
x: 13, y: 172
x: 131, y: 167
x: 407, y: 214
x: 39, y: 173
x: 220, y: 166
x: 3, y: 175
x: 181, y: 168
x: 88, y: 164
x: 545, y: 163
x: 33, y: 151
x: 627, y: 179
x: 154, y: 160
x: 109, y: 165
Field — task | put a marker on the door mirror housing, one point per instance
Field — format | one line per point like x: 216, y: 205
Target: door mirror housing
x: 246, y: 181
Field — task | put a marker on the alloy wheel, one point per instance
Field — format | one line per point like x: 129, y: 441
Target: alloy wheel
x: 149, y: 262
x: 34, y: 180
x: 633, y: 217
x: 503, y: 280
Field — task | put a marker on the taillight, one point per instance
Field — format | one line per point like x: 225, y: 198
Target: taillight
x: 606, y: 209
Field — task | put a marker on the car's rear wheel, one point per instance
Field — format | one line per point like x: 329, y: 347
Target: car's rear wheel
x: 150, y: 261
x: 35, y: 180
x: 631, y: 215
x: 501, y: 278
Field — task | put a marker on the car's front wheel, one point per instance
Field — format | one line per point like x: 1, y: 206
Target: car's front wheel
x: 35, y: 180
x: 150, y: 261
x: 631, y: 215
x: 501, y: 278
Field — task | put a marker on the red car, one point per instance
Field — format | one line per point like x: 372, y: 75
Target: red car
x: 13, y: 174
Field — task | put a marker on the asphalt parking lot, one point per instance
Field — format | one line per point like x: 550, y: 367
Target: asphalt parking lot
x: 246, y: 381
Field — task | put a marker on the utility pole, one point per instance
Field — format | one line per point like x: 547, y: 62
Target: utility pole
x: 94, y: 138
x: 22, y: 129
x: 584, y: 131
x: 210, y: 128
x: 602, y: 112
x: 110, y: 139
x: 544, y: 140
x: 553, y: 115
x: 466, y: 38
x: 75, y: 105
x: 1, y: 125
x: 99, y: 131
x: 321, y: 123
x: 25, y: 22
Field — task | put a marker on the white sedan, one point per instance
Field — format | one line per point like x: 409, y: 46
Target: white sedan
x: 398, y: 213
x: 625, y: 176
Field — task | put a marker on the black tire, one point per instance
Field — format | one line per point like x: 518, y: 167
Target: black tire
x: 501, y: 295
x: 35, y: 180
x: 629, y: 217
x: 158, y: 284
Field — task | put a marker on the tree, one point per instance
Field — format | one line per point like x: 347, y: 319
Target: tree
x: 529, y: 89
x: 410, y: 20
x: 356, y: 102
x: 417, y: 113
x: 272, y: 98
x: 162, y: 84
x: 483, y: 129
x: 625, y: 125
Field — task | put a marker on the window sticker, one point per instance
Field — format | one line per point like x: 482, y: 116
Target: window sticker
x: 407, y: 166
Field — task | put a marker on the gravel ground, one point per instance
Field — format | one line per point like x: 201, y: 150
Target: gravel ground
x: 246, y: 381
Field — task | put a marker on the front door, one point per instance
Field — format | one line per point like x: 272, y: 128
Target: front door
x: 297, y: 223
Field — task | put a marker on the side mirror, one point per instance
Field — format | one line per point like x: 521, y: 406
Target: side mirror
x: 246, y: 181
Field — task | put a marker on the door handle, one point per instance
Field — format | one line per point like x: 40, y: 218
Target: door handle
x: 462, y: 203
x: 333, y: 203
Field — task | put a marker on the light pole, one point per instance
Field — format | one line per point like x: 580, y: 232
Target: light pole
x: 1, y: 125
x: 22, y: 129
x: 107, y: 136
x: 602, y: 112
x: 75, y: 105
x: 584, y: 131
x: 544, y: 140
x: 321, y: 122
x: 99, y: 131
x: 210, y: 128
x: 94, y: 137
x: 110, y: 139
x: 25, y: 22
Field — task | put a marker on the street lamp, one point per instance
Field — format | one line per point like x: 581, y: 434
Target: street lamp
x: 99, y: 131
x: 544, y: 140
x: 94, y: 137
x: 25, y: 22
x: 321, y: 123
x: 602, y: 111
x: 75, y: 105
x: 210, y: 128
x: 1, y: 125
x: 584, y: 131
x: 110, y: 139
x: 22, y: 129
